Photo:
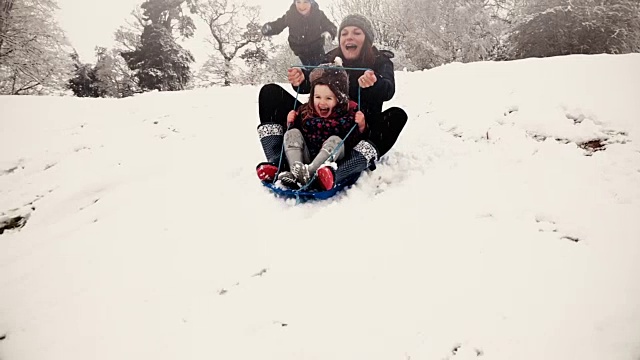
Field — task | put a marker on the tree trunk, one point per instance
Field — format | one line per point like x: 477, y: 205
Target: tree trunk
x: 227, y: 72
x: 5, y: 10
x: 13, y: 83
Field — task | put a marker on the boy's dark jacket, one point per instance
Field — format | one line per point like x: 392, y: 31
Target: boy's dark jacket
x: 304, y: 31
x: 371, y: 98
x: 316, y: 130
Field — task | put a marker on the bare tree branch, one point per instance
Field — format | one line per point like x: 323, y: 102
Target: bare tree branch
x: 232, y: 27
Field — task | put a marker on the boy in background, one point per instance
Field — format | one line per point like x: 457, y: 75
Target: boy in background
x: 309, y: 29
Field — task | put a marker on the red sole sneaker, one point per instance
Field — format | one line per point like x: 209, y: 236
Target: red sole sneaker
x: 266, y: 172
x: 325, y: 175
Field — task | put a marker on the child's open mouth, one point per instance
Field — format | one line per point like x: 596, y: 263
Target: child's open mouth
x: 324, y: 111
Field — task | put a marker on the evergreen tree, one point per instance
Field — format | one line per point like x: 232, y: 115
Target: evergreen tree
x: 84, y: 82
x: 108, y: 78
x: 169, y: 14
x: 159, y: 62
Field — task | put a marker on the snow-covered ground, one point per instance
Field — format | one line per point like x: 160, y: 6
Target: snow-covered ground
x: 492, y: 230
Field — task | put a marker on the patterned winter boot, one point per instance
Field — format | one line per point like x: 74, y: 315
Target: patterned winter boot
x: 271, y: 140
x: 363, y: 155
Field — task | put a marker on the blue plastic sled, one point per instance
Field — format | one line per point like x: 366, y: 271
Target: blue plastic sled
x: 305, y: 195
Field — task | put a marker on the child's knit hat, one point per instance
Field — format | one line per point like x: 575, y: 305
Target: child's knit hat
x: 335, y: 78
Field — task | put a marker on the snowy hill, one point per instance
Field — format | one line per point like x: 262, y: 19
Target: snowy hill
x: 503, y: 225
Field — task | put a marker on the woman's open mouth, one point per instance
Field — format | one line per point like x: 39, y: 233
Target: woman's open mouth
x: 351, y: 50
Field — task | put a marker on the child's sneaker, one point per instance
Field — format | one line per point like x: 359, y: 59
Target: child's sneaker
x: 289, y: 180
x: 301, y: 172
x: 266, y: 171
x: 325, y: 176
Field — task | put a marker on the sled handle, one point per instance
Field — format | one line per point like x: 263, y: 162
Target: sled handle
x: 330, y: 67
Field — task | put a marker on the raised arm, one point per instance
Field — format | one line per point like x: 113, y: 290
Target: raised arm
x: 328, y: 26
x: 274, y: 27
x: 299, y: 77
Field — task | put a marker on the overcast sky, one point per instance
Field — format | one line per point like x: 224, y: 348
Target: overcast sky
x: 91, y: 23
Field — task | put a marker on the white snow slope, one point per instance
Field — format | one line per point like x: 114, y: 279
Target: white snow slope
x: 489, y: 231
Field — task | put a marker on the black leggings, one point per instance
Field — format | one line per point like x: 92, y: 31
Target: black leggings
x: 384, y: 128
x: 274, y: 103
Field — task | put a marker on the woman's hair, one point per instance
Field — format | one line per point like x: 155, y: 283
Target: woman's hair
x: 367, y: 56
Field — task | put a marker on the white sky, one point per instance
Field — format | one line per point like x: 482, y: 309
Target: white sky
x: 92, y: 23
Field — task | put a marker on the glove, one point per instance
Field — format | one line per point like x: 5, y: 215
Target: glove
x: 326, y: 36
x: 266, y: 29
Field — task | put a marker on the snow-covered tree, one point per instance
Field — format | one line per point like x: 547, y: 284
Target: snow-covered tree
x: 170, y: 15
x: 233, y: 27
x: 84, y: 81
x: 127, y: 37
x: 33, y: 49
x: 282, y: 58
x: 113, y: 75
x: 109, y: 77
x: 159, y: 62
x: 429, y: 33
x: 388, y: 17
x: 562, y: 27
x: 468, y: 31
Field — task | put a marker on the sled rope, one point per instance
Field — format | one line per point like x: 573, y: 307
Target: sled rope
x: 315, y: 175
x: 295, y: 103
x: 333, y: 152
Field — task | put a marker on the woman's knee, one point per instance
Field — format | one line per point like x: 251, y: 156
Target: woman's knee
x: 270, y: 90
x: 397, y: 113
x: 393, y: 119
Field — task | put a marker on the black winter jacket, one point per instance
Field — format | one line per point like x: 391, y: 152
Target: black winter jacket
x: 304, y: 31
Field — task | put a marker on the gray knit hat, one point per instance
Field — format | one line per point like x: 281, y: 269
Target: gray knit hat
x: 361, y: 22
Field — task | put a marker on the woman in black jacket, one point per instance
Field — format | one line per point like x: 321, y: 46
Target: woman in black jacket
x: 377, y: 85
